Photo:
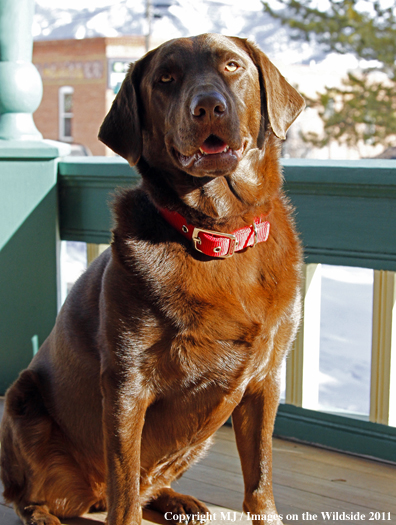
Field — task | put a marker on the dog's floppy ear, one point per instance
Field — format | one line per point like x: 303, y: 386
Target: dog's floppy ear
x: 121, y: 128
x: 284, y: 103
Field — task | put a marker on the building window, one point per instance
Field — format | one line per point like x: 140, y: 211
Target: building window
x: 65, y: 113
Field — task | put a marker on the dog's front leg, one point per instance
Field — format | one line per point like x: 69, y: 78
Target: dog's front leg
x: 253, y: 421
x: 124, y: 409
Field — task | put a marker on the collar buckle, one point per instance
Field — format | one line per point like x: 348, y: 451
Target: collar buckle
x: 198, y: 241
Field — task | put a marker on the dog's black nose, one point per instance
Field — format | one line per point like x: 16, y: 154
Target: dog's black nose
x: 208, y: 105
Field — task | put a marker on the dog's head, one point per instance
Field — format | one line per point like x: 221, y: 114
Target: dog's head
x: 199, y: 105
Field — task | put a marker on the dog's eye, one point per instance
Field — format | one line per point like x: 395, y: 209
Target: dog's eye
x: 231, y: 67
x: 166, y: 78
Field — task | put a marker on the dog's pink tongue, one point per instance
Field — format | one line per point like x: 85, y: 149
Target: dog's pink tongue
x: 211, y: 146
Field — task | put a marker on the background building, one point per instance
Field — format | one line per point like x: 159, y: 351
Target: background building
x: 80, y: 79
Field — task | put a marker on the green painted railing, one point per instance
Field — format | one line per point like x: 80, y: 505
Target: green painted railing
x: 28, y: 199
x: 346, y: 215
x: 86, y: 187
x: 346, y: 211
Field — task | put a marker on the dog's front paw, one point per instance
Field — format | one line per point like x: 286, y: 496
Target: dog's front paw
x: 179, y: 508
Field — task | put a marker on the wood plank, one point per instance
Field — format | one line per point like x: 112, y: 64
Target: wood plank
x: 8, y: 516
x: 225, y: 432
x: 292, y: 465
x: 288, y: 501
x: 331, y: 457
x: 149, y: 517
x: 298, y: 460
x: 339, y: 490
x: 209, y: 493
x: 323, y: 456
x: 306, y: 479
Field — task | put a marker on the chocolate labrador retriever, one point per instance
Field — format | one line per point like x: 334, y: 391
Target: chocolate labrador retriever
x: 186, y: 319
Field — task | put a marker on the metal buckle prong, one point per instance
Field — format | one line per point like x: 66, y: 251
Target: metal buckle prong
x: 255, y: 234
x: 197, y: 240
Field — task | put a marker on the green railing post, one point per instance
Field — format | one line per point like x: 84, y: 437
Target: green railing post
x: 21, y: 85
x: 28, y: 199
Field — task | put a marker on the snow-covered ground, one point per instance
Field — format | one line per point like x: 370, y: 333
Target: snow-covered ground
x: 345, y: 343
x: 73, y: 262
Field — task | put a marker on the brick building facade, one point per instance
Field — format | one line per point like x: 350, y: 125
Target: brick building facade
x: 80, y: 79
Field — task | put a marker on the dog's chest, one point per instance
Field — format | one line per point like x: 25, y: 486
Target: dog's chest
x: 213, y: 321
x: 216, y: 332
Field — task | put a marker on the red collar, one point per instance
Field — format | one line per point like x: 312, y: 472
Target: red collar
x: 219, y: 244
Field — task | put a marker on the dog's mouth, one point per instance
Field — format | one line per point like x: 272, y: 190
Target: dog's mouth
x: 213, y: 146
x: 213, y: 155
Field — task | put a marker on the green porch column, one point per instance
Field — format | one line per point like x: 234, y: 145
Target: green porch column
x: 28, y: 199
x: 21, y: 86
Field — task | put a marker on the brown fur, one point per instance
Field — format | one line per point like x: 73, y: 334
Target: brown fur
x: 157, y: 344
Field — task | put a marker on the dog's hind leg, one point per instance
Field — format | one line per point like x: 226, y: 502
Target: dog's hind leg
x: 17, y: 487
x: 40, y: 474
x: 24, y: 424
x: 17, y: 481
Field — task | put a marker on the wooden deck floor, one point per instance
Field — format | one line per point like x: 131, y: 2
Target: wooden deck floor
x: 306, y: 480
